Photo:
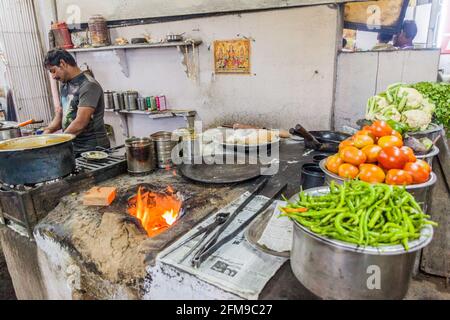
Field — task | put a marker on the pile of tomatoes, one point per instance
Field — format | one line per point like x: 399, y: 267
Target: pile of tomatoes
x: 376, y: 154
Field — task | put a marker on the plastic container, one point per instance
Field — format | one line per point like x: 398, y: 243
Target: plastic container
x: 62, y: 35
x: 99, y: 32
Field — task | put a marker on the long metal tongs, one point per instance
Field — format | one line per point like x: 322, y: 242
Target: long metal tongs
x: 212, y: 245
x: 212, y: 240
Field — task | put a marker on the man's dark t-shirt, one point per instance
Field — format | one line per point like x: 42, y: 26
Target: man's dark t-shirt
x: 84, y: 91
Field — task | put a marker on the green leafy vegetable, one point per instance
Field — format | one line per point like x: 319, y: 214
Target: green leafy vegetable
x: 439, y: 94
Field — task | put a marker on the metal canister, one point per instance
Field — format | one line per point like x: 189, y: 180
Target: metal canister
x: 119, y: 102
x: 142, y: 104
x: 164, y: 145
x: 109, y: 100
x: 98, y: 31
x: 131, y: 100
x: 151, y: 103
x: 141, y: 156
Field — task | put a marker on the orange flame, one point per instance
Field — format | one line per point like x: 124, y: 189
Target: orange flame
x: 156, y: 211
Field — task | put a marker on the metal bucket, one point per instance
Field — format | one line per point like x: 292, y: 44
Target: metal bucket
x: 35, y: 159
x: 141, y: 157
x: 333, y: 269
x: 164, y: 146
x: 419, y: 191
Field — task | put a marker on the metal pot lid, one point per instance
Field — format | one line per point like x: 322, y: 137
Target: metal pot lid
x: 426, y: 235
x: 7, y: 125
x: 34, y: 142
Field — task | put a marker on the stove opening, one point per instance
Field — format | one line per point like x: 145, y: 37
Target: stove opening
x: 157, y: 211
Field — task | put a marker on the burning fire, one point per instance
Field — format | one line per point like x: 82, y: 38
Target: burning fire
x: 156, y: 211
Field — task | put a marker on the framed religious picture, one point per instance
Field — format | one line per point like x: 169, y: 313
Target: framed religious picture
x: 232, y: 56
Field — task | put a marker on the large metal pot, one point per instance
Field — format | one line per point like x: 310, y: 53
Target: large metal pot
x: 35, y: 159
x: 9, y: 130
x: 333, y: 269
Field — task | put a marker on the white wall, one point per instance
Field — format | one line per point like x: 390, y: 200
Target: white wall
x: 445, y: 63
x: 293, y: 61
x: 129, y: 9
x: 361, y: 75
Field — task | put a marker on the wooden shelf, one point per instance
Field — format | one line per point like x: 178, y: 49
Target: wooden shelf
x: 120, y: 51
x: 158, y: 115
x: 139, y: 46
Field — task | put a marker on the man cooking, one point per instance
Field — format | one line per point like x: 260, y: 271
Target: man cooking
x: 404, y: 39
x: 82, y: 103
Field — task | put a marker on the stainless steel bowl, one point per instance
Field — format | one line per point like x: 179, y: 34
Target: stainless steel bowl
x: 333, y: 269
x: 429, y: 156
x: 433, y: 131
x: 419, y: 191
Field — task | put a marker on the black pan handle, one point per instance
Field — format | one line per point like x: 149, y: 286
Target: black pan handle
x: 307, y: 135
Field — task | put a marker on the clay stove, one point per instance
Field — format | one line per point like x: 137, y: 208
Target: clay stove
x: 157, y: 211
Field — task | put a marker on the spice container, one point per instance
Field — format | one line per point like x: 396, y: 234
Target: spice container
x: 131, y: 100
x: 109, y: 100
x: 142, y: 104
x: 119, y: 102
x: 99, y: 31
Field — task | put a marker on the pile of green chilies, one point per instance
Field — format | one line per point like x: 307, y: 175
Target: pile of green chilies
x: 361, y: 213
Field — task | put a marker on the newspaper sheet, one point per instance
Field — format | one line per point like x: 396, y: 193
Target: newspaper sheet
x: 236, y: 267
x: 277, y: 235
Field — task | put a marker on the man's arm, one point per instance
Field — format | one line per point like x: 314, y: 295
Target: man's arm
x: 56, y: 123
x: 84, y: 115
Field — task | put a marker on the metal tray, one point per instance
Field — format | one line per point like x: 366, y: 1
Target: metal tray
x: 255, y: 230
x: 220, y: 173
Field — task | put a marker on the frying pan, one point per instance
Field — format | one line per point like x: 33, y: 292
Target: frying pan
x: 99, y: 155
x: 325, y: 141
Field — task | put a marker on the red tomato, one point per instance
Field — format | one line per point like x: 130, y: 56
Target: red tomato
x: 372, y: 152
x: 424, y: 164
x: 371, y: 173
x: 398, y: 177
x: 360, y: 141
x: 365, y: 132
x: 353, y: 156
x: 380, y: 129
x: 346, y: 143
x: 348, y: 171
x: 419, y: 173
x: 390, y: 141
x: 333, y: 163
x: 409, y: 153
x: 392, y: 158
x: 397, y: 134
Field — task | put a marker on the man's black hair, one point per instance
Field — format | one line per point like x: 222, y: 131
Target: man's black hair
x: 385, y: 37
x: 410, y: 29
x: 344, y: 42
x: 54, y: 57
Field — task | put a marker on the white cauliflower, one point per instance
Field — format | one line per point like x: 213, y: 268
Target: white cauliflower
x: 414, y: 98
x: 428, y: 106
x: 417, y: 119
